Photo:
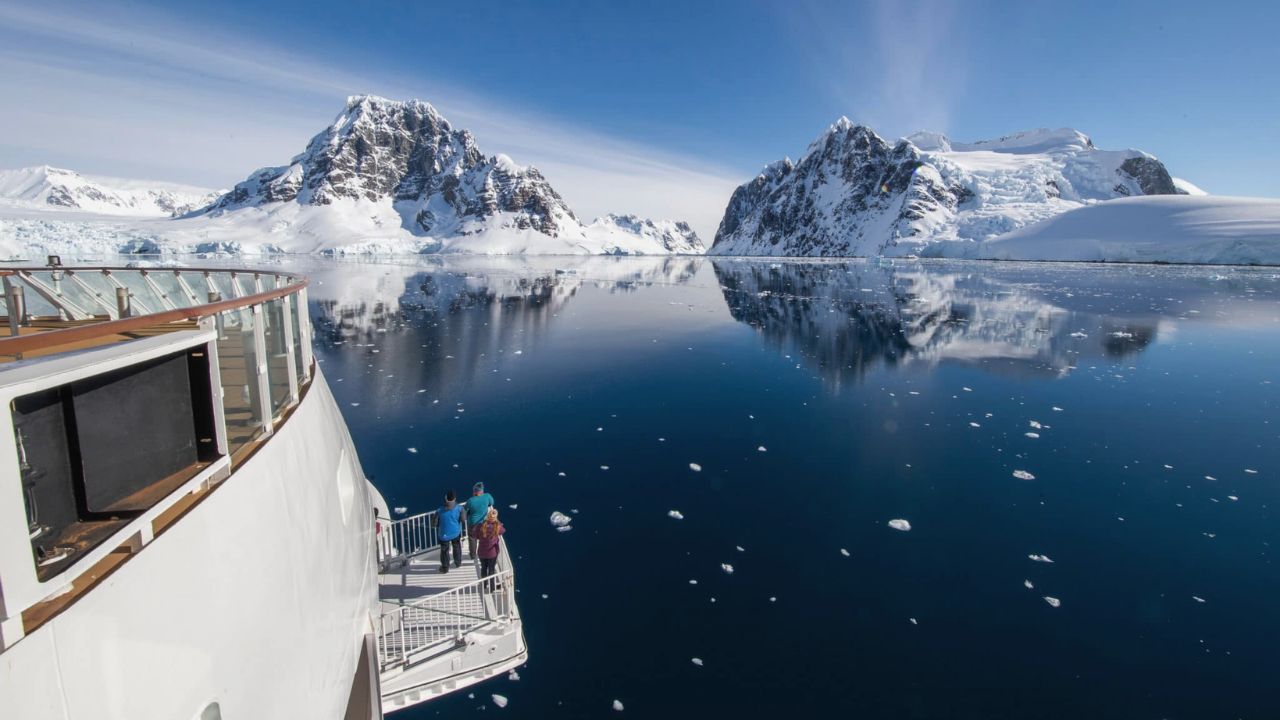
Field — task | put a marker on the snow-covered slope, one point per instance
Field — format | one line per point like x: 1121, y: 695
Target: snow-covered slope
x: 1188, y: 229
x: 854, y: 193
x: 48, y: 188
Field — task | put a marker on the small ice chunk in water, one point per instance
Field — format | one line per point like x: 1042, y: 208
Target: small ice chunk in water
x: 513, y: 676
x: 1197, y: 598
x: 1036, y: 424
x: 1210, y: 477
x: 413, y: 450
x: 500, y: 700
x: 727, y: 568
x: 967, y: 389
x: 1040, y: 558
x: 1233, y: 498
x: 559, y: 519
x: 900, y: 524
x: 1023, y: 475
x: 695, y: 467
x: 1028, y: 584
x: 1079, y: 334
x: 697, y: 661
x: 844, y: 552
x: 762, y: 449
x: 913, y: 621
x: 1057, y: 409
x: 1251, y: 471
x: 693, y: 582
x: 617, y: 705
x: 740, y: 548
x: 675, y: 514
x: 400, y: 510
x: 1053, y: 601
x: 773, y: 599
x: 1033, y: 436
x: 514, y: 506
x: 974, y: 424
x: 604, y: 467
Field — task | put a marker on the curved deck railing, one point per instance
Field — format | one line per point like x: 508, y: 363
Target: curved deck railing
x: 254, y: 328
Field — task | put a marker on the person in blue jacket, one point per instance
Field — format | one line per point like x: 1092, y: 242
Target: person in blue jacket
x: 477, y: 509
x: 449, y: 519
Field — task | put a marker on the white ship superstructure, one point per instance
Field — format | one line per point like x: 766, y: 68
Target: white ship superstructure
x: 185, y: 528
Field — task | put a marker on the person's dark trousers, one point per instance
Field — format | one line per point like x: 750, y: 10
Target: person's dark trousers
x: 488, y: 566
x: 456, y: 544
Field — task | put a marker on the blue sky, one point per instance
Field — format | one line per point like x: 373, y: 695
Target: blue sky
x: 652, y: 107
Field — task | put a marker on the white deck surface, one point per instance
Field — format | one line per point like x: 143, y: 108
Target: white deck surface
x: 421, y: 577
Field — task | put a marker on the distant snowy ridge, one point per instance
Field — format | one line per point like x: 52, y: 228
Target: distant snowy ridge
x: 853, y: 193
x: 1179, y: 229
x: 386, y: 177
x: 54, y: 189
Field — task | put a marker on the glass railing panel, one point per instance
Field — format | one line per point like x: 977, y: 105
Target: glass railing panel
x: 67, y: 289
x: 273, y: 320
x: 140, y: 290
x: 298, y: 316
x: 237, y: 363
x: 168, y: 284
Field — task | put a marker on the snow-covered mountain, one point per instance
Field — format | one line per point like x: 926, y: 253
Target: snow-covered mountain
x: 47, y: 188
x: 629, y: 235
x: 854, y: 193
x: 390, y: 176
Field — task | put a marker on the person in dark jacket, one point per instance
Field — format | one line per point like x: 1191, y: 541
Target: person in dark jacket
x: 487, y: 534
x: 449, y: 523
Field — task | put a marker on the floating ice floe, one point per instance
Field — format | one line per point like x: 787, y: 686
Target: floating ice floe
x: 1233, y: 498
x: 967, y: 389
x: 518, y: 352
x: 513, y: 676
x: 1028, y: 584
x: 762, y: 449
x: 844, y: 552
x: 500, y: 700
x: 1210, y: 477
x: 739, y: 548
x: 697, y: 661
x: 564, y: 528
x: 1197, y: 598
x: 693, y: 582
x: 1053, y: 601
x: 514, y: 506
x: 400, y: 509
x: 604, y: 467
x: 1023, y: 475
x: 355, y: 404
x: 413, y: 450
x: 675, y: 514
x: 974, y: 424
x: 727, y: 568
x: 773, y: 599
x: 1040, y: 558
x: 913, y: 621
x: 1057, y: 409
x: 1035, y: 424
x: 617, y: 705
x: 1033, y: 436
x: 1251, y: 471
x: 1079, y: 335
x: 559, y: 519
x: 695, y: 467
x: 900, y: 524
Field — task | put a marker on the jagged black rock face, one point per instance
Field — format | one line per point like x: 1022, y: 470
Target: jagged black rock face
x: 408, y: 152
x: 1150, y: 174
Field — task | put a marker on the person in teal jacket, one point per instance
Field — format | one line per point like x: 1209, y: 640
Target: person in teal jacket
x: 477, y: 507
x: 449, y: 521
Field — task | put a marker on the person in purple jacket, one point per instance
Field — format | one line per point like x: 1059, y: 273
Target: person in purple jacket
x: 487, y: 534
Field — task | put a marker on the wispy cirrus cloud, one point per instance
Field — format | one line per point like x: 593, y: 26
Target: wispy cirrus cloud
x: 109, y: 92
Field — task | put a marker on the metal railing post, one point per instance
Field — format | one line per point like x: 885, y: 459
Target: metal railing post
x: 122, y: 302
x: 290, y: 360
x: 260, y: 369
x: 17, y: 306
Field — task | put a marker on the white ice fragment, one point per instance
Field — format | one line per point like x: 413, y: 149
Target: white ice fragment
x: 513, y: 676
x: 617, y: 705
x: 1078, y: 334
x: 844, y: 552
x: 1057, y: 409
x: 1040, y: 558
x: 967, y: 389
x: 1197, y: 598
x: 675, y: 514
x: 500, y: 700
x: 559, y: 519
x: 695, y: 467
x: 1233, y: 498
x: 697, y: 661
x: 740, y: 548
x: 564, y: 528
x: 544, y: 596
x: 1053, y: 601
x: 1028, y: 584
x: 727, y: 568
x: 913, y: 621
x: 773, y: 599
x: 762, y: 449
x: 1251, y: 471
x: 1023, y: 475
x: 1033, y: 436
x: 518, y: 352
x: 900, y: 524
x: 604, y: 467
x: 1036, y: 424
x: 413, y: 450
x: 514, y: 506
x: 400, y: 510
x: 1210, y: 477
x: 355, y: 404
x: 974, y: 424
x: 693, y: 582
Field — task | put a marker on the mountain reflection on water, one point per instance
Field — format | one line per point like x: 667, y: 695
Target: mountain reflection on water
x: 845, y: 318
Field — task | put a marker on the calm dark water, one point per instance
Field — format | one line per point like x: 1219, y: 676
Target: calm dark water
x: 822, y: 401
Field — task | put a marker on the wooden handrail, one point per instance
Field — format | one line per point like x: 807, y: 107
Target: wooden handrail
x: 66, y: 336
